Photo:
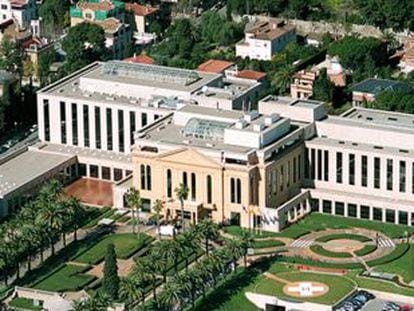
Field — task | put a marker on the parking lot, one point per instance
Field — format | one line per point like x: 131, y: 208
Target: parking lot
x: 377, y: 305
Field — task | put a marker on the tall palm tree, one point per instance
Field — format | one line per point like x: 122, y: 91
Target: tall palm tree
x: 134, y: 202
x: 166, y: 250
x: 158, y: 207
x: 188, y: 243
x: 147, y: 269
x: 246, y: 243
x: 208, y: 230
x: 234, y: 249
x: 283, y: 78
x: 76, y: 211
x: 131, y: 291
x: 170, y: 297
x: 182, y: 194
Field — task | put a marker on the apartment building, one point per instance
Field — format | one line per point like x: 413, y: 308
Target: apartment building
x: 21, y: 11
x: 144, y: 15
x: 264, y: 38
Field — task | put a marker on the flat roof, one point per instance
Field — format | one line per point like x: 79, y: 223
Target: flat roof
x: 375, y: 86
x: 380, y: 117
x: 230, y: 114
x: 26, y: 167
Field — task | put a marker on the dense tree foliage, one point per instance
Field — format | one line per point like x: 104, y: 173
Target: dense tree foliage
x: 394, y: 101
x: 323, y: 88
x: 110, y: 281
x: 55, y: 15
x: 84, y: 44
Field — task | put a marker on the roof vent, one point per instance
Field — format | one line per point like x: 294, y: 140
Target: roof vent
x: 272, y: 118
x: 258, y: 127
x: 252, y: 115
x: 240, y: 124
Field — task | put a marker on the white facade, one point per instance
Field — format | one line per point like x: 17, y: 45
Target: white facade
x: 22, y: 11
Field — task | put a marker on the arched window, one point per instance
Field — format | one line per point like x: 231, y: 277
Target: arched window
x: 142, y: 168
x: 232, y: 190
x: 238, y: 191
x: 209, y: 190
x: 148, y: 177
x: 193, y: 186
x: 185, y: 179
x: 169, y: 184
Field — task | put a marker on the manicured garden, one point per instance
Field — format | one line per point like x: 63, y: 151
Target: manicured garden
x: 403, y: 266
x: 343, y: 236
x: 69, y: 277
x: 125, y: 246
x: 267, y: 243
x: 24, y: 303
x: 320, y: 250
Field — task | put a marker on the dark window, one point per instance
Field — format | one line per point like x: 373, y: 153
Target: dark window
x: 117, y: 174
x: 389, y: 174
x: 109, y: 128
x: 149, y: 177
x: 193, y: 187
x: 46, y: 116
x: 365, y: 212
x: 306, y: 163
x: 121, y: 136
x: 403, y: 218
x: 326, y: 165
x: 144, y: 119
x: 339, y: 167
x: 239, y: 191
x: 402, y: 176
x: 339, y: 208
x: 156, y: 116
x: 132, y: 125
x: 98, y: 127
x: 377, y: 215
x: 364, y: 171
x: 232, y: 190
x: 74, y: 124
x: 377, y: 173
x: 352, y: 169
x: 82, y: 169
x: 106, y: 173
x: 314, y: 205
x: 327, y: 207
x: 319, y: 164
x: 313, y: 164
x: 86, y: 125
x: 390, y: 215
x: 185, y: 179
x: 352, y: 210
x: 142, y: 175
x: 93, y: 171
x: 209, y: 189
x: 63, y: 122
x: 169, y: 184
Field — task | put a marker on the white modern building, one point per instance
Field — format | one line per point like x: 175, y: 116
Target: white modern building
x: 264, y: 38
x: 22, y: 11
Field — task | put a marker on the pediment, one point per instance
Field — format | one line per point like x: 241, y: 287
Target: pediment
x: 188, y: 156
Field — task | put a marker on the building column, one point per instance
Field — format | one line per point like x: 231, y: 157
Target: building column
x: 115, y: 130
x: 409, y: 176
x: 358, y: 211
x: 345, y: 168
x: 370, y: 173
x: 383, y: 173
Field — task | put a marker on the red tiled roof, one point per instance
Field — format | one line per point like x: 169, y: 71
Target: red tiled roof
x: 215, y: 66
x: 140, y: 59
x: 251, y: 74
x: 140, y: 10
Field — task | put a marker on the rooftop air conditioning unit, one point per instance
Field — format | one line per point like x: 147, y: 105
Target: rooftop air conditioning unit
x: 241, y: 124
x: 272, y: 118
x: 258, y: 127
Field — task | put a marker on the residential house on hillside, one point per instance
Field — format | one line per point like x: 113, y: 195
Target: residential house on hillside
x: 22, y: 11
x: 265, y: 38
x: 144, y: 15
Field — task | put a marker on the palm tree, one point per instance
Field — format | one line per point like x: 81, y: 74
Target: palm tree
x: 76, y: 211
x: 208, y: 230
x: 167, y: 249
x: 182, y: 194
x: 246, y: 243
x: 146, y: 269
x: 133, y: 201
x: 188, y: 243
x: 283, y: 78
x: 170, y: 297
x: 195, y: 283
x: 234, y: 249
x: 131, y: 291
x: 158, y: 207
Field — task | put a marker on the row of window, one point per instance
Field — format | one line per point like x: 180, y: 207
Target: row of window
x: 365, y: 212
x: 85, y: 115
x: 102, y: 172
x: 317, y: 167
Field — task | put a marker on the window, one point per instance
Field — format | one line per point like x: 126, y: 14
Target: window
x: 319, y: 164
x: 209, y: 189
x: 46, y: 118
x: 312, y: 164
x: 402, y: 176
x: 63, y: 122
x: 377, y: 173
x: 74, y: 124
x: 351, y: 167
x: 144, y: 119
x: 106, y: 173
x: 132, y: 126
x: 327, y: 207
x: 86, y: 125
x: 193, y: 187
x: 364, y: 171
x: 121, y: 136
x: 352, y: 210
x: 93, y: 171
x: 239, y: 191
x: 235, y: 190
x: 403, y: 218
x: 156, y: 116
x: 339, y: 208
x: 82, y: 169
x: 377, y: 215
x: 314, y: 203
x: 185, y: 179
x: 148, y: 177
x: 389, y: 174
x: 117, y: 174
x: 390, y: 215
x: 365, y: 212
x: 109, y: 128
x: 339, y: 167
x: 4, y: 7
x: 307, y: 163
x: 326, y: 165
x: 98, y: 127
x: 169, y: 184
x: 142, y: 175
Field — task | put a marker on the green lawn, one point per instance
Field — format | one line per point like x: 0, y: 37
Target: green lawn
x: 320, y: 250
x: 67, y: 278
x: 238, y: 231
x: 24, y: 303
x: 126, y: 244
x: 339, y: 286
x: 318, y: 222
x: 367, y: 249
x: 403, y: 266
x: 397, y: 253
x: 343, y: 236
x: 267, y: 243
